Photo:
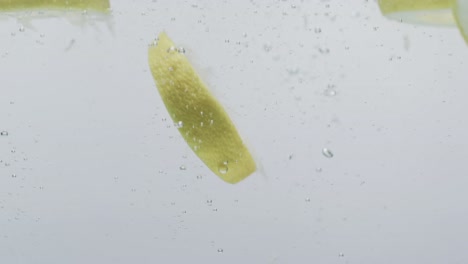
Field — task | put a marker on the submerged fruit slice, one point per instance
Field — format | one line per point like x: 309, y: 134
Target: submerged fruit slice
x: 200, y: 118
x: 95, y: 5
x: 460, y: 11
x: 432, y: 12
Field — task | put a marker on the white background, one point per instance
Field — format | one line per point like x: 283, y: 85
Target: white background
x: 90, y: 169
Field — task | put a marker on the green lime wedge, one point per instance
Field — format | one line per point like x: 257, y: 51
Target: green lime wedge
x: 460, y: 12
x: 17, y: 5
x: 430, y: 12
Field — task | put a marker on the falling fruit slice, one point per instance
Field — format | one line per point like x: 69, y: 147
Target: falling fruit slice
x: 94, y: 5
x: 460, y: 12
x: 197, y: 114
x: 432, y: 12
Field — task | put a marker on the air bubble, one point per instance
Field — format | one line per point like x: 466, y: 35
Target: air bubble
x: 223, y: 168
x: 182, y: 167
x: 327, y: 153
x: 293, y: 70
x: 330, y: 91
x: 179, y: 124
x: 4, y: 133
x: 267, y: 47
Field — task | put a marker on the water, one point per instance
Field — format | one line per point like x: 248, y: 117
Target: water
x: 294, y: 77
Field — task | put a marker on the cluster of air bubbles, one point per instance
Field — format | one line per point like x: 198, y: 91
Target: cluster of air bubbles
x: 173, y: 49
x: 324, y: 50
x: 181, y: 50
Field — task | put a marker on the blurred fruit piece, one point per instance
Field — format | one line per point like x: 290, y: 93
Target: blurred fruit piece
x: 431, y: 12
x: 460, y: 12
x: 16, y: 5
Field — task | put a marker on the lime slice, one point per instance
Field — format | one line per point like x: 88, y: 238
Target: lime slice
x: 460, y: 11
x: 94, y: 5
x: 431, y: 12
x: 200, y: 118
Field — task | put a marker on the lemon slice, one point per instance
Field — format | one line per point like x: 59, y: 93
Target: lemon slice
x: 94, y: 5
x: 200, y: 118
x: 460, y: 11
x: 431, y: 12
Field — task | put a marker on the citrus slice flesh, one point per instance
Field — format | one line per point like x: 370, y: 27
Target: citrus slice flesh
x: 430, y: 12
x: 199, y: 117
x: 15, y: 5
x: 460, y: 12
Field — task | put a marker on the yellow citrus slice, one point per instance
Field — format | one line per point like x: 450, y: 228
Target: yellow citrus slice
x: 94, y: 5
x: 432, y: 12
x: 460, y: 12
x: 197, y: 114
